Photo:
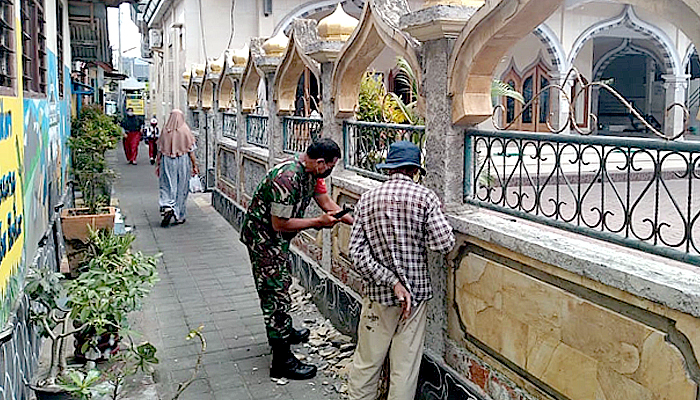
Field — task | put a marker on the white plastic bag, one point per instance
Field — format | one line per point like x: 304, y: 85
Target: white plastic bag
x: 196, y: 184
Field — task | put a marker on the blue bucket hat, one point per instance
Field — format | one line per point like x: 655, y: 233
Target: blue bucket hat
x: 402, y: 154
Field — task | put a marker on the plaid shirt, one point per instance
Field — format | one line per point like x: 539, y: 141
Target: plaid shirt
x: 395, y: 225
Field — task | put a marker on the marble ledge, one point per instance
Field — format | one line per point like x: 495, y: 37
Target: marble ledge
x: 664, y: 281
x: 257, y: 153
x: 229, y: 143
x: 668, y: 282
x: 353, y: 182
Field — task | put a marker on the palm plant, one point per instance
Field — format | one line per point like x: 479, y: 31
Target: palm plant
x: 502, y: 89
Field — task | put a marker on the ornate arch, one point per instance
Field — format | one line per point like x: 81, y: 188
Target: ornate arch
x: 193, y: 95
x: 208, y: 94
x: 290, y: 69
x: 669, y: 55
x: 249, y: 84
x: 371, y: 36
x: 304, y: 11
x: 227, y: 92
x: 688, y: 54
x: 555, y: 51
x: 624, y: 49
x: 488, y: 35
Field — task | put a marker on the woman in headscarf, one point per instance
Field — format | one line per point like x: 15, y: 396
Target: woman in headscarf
x: 175, y: 164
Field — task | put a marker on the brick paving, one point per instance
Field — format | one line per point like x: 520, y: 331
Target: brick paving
x: 205, y: 280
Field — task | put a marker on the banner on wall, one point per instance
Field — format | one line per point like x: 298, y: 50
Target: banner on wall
x: 11, y: 206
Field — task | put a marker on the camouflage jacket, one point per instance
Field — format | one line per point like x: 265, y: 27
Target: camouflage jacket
x: 285, y: 192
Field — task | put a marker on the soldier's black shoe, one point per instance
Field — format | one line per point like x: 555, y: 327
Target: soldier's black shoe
x: 299, y: 336
x: 285, y: 365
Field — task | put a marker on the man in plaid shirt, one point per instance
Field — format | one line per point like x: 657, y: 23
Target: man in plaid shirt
x: 395, y: 226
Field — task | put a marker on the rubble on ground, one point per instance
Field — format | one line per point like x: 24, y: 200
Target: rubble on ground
x: 328, y: 349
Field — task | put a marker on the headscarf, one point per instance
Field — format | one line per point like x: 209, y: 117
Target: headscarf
x: 176, y: 138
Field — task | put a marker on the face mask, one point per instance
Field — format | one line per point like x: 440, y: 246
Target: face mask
x: 325, y: 174
x: 129, y: 113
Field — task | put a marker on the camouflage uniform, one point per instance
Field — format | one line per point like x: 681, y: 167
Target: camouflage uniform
x: 285, y: 192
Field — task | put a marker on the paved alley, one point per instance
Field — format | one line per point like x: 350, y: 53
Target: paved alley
x: 205, y: 279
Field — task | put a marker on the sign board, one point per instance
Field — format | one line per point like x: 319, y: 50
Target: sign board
x: 137, y: 104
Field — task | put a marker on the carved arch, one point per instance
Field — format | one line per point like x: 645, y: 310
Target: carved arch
x: 498, y: 25
x: 669, y: 55
x: 227, y: 92
x: 688, y: 55
x: 555, y: 51
x: 290, y: 69
x: 624, y: 49
x: 249, y: 84
x: 208, y: 94
x: 305, y: 11
x: 368, y: 40
x: 488, y: 35
x: 193, y: 95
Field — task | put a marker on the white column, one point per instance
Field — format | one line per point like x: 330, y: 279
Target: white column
x: 559, y: 104
x: 675, y: 93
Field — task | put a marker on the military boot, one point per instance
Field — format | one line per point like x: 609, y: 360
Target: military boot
x: 285, y: 365
x: 299, y: 336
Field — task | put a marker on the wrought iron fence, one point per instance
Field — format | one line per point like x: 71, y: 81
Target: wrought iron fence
x: 300, y: 132
x: 640, y: 193
x: 256, y: 130
x: 367, y: 144
x: 228, y: 124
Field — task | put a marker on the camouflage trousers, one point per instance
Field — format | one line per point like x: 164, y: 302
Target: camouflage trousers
x: 271, y: 271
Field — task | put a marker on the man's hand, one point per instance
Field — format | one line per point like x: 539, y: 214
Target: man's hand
x: 348, y: 219
x: 404, y: 298
x: 327, y: 220
x: 195, y: 170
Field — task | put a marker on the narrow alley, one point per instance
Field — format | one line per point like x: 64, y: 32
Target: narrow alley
x: 205, y: 279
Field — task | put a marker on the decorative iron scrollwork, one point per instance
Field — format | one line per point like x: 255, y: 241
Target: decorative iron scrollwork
x: 583, y: 88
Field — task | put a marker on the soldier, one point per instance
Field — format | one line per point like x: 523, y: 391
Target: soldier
x: 274, y: 217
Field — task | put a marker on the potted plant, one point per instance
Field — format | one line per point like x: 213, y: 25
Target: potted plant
x: 92, y: 134
x: 94, y: 307
x: 111, y: 285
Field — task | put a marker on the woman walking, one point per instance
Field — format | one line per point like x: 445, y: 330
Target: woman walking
x: 132, y: 135
x: 175, y: 164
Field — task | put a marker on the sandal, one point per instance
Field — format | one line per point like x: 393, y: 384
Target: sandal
x: 167, y: 214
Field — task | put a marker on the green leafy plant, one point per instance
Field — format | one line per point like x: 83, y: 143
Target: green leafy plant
x: 95, y: 304
x: 502, y: 89
x: 112, y: 285
x: 92, y: 134
x: 80, y: 384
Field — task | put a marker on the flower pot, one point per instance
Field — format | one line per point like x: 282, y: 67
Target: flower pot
x: 75, y: 222
x: 51, y: 392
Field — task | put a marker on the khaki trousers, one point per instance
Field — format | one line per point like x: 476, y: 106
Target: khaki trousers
x: 382, y: 330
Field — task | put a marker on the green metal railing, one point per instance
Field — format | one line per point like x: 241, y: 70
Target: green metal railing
x: 300, y: 132
x: 228, y: 125
x: 640, y: 193
x: 256, y: 130
x: 367, y: 144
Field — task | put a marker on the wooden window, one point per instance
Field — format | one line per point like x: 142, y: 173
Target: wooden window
x: 510, y: 103
x: 512, y: 106
x: 59, y: 49
x: 7, y: 48
x: 534, y: 82
x: 33, y: 46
